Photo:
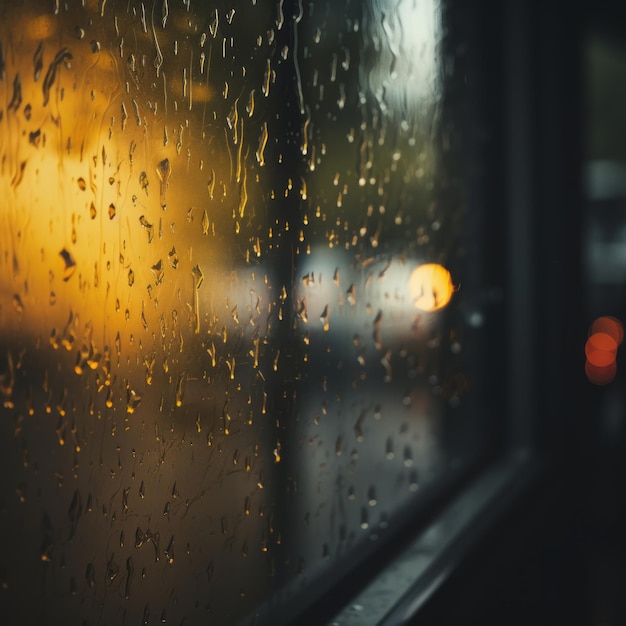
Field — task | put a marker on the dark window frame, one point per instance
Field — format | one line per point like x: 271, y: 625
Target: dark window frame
x: 546, y: 393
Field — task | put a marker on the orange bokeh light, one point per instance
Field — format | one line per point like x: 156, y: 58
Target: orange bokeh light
x: 606, y: 334
x: 600, y: 375
x: 600, y: 349
x: 431, y: 287
x: 610, y: 326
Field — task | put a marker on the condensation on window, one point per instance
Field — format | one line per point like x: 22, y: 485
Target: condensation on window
x: 232, y: 315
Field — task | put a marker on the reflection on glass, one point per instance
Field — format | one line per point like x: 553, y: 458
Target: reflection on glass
x: 232, y: 351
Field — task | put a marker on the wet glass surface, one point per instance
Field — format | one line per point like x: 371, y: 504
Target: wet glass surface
x: 240, y: 302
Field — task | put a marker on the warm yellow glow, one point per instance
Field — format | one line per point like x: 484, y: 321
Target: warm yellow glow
x: 87, y: 224
x: 431, y: 287
x: 40, y: 27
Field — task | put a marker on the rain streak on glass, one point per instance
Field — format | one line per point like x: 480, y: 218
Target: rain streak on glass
x: 231, y: 314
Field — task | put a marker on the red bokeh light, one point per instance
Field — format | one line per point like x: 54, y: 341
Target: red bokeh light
x: 606, y: 334
x: 600, y: 349
x: 600, y: 375
x: 610, y: 326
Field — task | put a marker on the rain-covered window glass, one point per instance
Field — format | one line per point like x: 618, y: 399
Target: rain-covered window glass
x: 241, y: 299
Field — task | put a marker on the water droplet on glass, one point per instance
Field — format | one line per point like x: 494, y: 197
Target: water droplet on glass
x: 113, y: 569
x: 18, y: 305
x: 63, y: 56
x: 180, y: 390
x: 205, y: 223
x: 169, y: 551
x: 164, y: 171
x: 211, y: 184
x: 260, y: 153
x: 125, y: 493
x: 364, y: 518
x: 358, y: 427
x: 130, y: 571
x: 136, y: 112
x: 140, y: 537
x: 37, y: 62
x: 250, y: 105
x: 339, y: 446
x: 147, y: 226
x: 143, y: 182
x: 324, y: 318
x: 90, y: 575
x: 158, y: 272
x: 408, y: 457
x: 351, y: 295
x: 172, y: 257
x: 214, y: 24
x: 69, y: 264
x: 198, y: 276
x: 34, y: 137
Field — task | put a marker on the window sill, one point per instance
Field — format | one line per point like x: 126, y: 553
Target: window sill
x: 397, y: 593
